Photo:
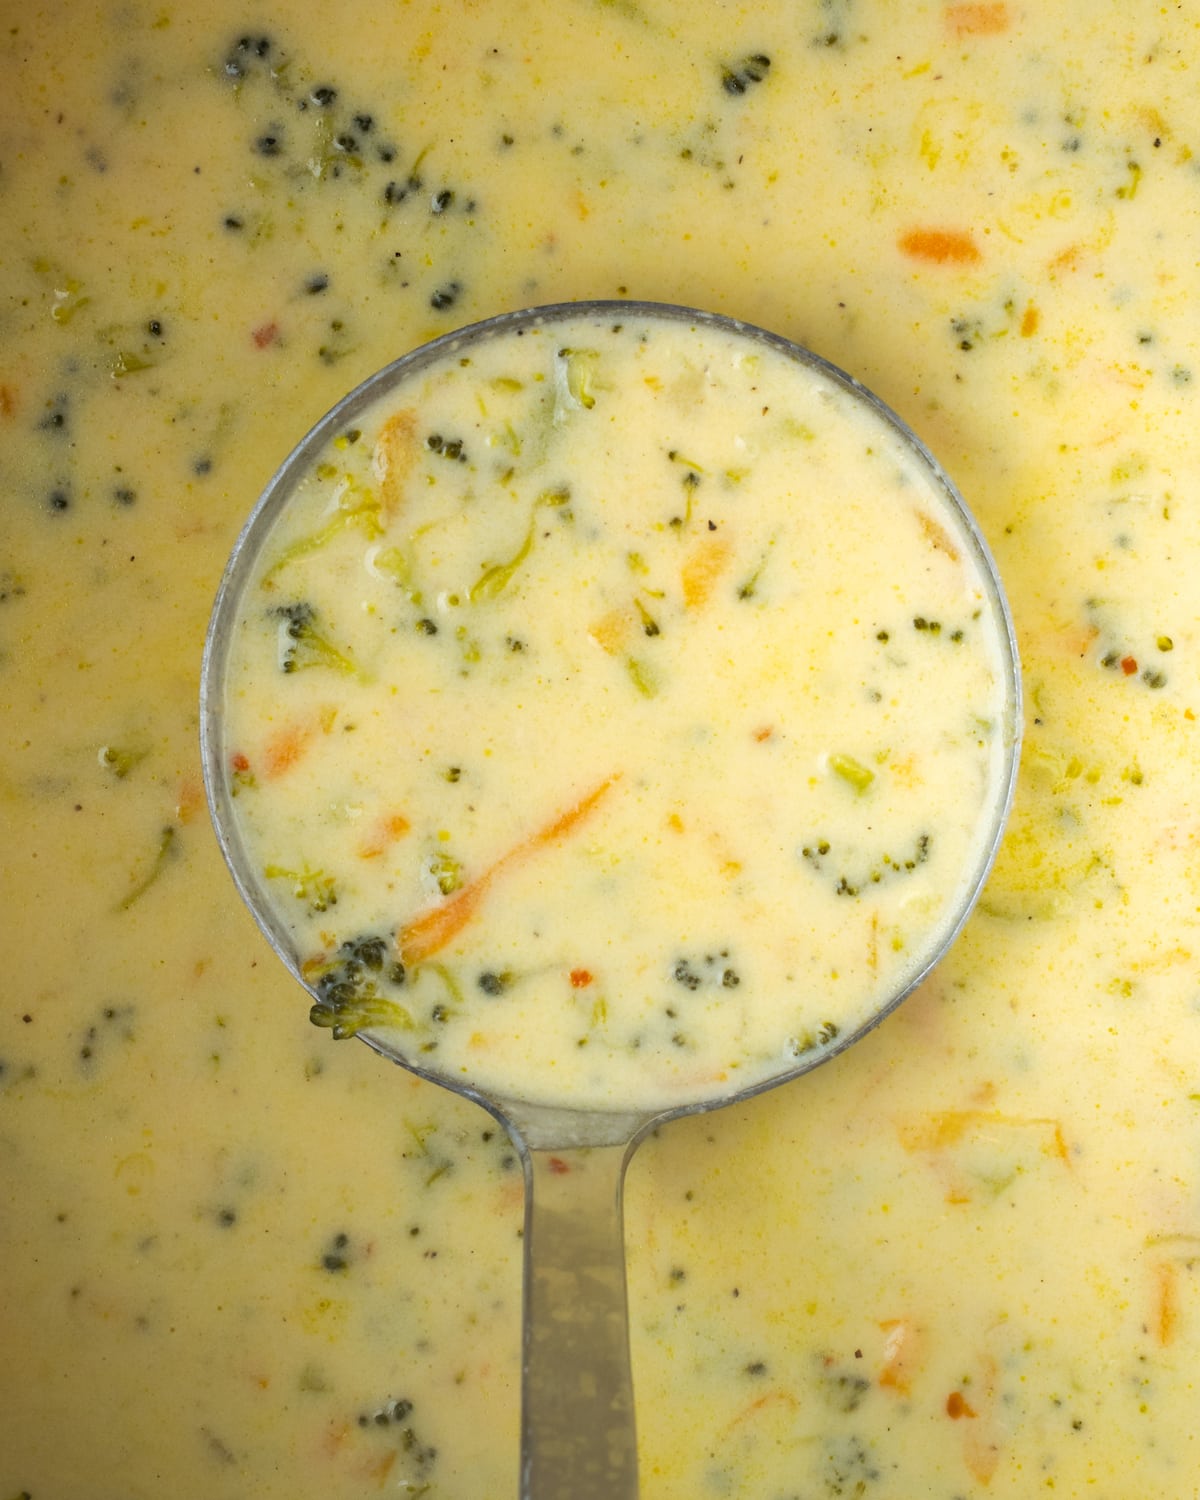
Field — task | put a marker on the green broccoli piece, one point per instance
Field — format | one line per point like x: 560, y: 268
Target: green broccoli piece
x: 302, y: 645
x: 347, y: 988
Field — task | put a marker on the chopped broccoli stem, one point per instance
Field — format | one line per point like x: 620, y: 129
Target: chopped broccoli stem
x: 852, y: 771
x: 397, y: 564
x: 125, y: 362
x: 578, y: 367
x: 650, y: 625
x: 642, y: 677
x: 495, y: 579
x: 446, y: 872
x: 166, y: 847
x: 314, y: 887
x: 354, y: 509
x: 122, y: 759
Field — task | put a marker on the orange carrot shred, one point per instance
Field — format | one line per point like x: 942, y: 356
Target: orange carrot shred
x: 430, y: 932
x: 1167, y: 1289
x: 385, y: 831
x: 285, y: 749
x: 566, y: 821
x: 611, y: 631
x: 900, y: 1354
x: 395, y: 454
x: 702, y: 568
x: 977, y: 20
x: 937, y: 536
x: 189, y: 799
x: 941, y: 246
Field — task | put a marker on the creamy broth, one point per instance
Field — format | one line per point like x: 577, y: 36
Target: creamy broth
x: 243, y: 1262
x: 616, y: 713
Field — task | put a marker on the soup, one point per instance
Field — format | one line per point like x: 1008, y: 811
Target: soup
x: 244, y: 1261
x: 616, y: 713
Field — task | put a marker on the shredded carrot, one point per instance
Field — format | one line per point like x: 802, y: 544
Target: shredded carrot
x: 566, y: 822
x: 977, y: 20
x: 1167, y: 1295
x: 383, y: 834
x: 611, y: 631
x: 956, y: 1406
x: 1066, y: 260
x: 901, y: 1350
x: 395, y: 454
x: 334, y: 1438
x: 937, y: 536
x: 981, y: 1438
x: 1068, y: 638
x: 265, y: 334
x: 1153, y: 121
x: 286, y: 749
x: 941, y: 246
x: 702, y: 568
x: 189, y: 799
x: 581, y: 978
x: 940, y: 1129
x: 772, y: 1398
x: 380, y: 1467
x: 1030, y: 319
x: 430, y: 932
x: 949, y: 1138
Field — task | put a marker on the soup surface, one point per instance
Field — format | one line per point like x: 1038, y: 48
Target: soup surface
x: 617, y: 712
x: 242, y: 1262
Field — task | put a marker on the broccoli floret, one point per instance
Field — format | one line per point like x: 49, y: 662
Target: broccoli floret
x: 302, y: 645
x: 347, y: 988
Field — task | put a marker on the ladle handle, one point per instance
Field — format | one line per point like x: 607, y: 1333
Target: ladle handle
x: 578, y: 1437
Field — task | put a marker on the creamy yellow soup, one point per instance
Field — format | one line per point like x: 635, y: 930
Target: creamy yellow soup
x: 244, y: 1262
x: 617, y: 712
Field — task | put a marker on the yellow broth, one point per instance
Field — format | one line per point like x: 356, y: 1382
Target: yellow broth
x: 244, y: 1260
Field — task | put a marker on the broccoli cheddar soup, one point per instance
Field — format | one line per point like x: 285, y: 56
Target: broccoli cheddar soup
x: 242, y: 1261
x: 618, y: 710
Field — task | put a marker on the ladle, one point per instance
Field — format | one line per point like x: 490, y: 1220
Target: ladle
x: 578, y: 1431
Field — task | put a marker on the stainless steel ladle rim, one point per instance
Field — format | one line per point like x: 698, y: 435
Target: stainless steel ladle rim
x: 528, y: 1117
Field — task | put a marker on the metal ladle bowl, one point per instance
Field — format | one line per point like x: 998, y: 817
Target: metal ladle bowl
x: 578, y: 1437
